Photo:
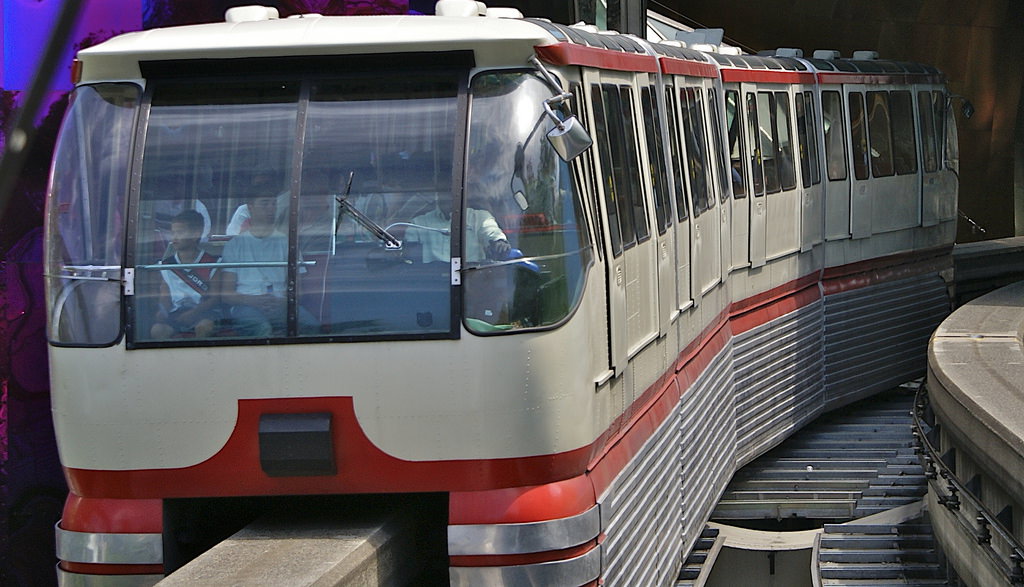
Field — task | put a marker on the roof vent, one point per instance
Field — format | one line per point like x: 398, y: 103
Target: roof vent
x: 730, y: 50
x: 788, y: 52
x: 503, y: 12
x: 250, y: 13
x: 590, y: 28
x: 827, y: 54
x: 865, y: 55
x: 701, y: 36
x: 459, y: 8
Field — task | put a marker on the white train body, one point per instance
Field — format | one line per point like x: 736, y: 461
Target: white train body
x: 583, y: 405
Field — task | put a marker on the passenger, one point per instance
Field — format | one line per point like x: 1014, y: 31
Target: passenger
x: 256, y: 295
x: 484, y: 238
x: 187, y: 303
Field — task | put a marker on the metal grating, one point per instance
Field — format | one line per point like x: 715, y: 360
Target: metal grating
x: 779, y: 379
x: 877, y: 337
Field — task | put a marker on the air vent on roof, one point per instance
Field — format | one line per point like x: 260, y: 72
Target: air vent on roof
x: 250, y: 13
x: 701, y: 36
x: 826, y: 54
x: 788, y: 52
x: 865, y: 55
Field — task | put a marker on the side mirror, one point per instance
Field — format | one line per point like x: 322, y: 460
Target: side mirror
x: 570, y: 139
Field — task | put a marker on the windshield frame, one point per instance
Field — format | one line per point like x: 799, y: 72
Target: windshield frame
x: 453, y: 69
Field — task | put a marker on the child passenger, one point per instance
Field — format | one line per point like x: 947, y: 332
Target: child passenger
x: 187, y: 303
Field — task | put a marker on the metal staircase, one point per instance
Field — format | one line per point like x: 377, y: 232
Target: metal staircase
x: 877, y: 555
x: 845, y: 465
x: 701, y: 559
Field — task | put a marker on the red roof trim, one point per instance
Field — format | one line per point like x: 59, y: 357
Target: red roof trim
x: 674, y: 66
x: 570, y: 54
x: 767, y: 76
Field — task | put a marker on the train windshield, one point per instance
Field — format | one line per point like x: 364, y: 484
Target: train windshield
x: 525, y: 244
x: 310, y: 209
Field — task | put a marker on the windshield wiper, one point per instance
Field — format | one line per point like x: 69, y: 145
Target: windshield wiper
x: 389, y: 240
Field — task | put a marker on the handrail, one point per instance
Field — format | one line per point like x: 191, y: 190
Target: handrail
x: 987, y: 530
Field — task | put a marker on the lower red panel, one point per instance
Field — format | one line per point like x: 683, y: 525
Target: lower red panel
x: 112, y: 516
x: 98, y: 569
x: 506, y: 560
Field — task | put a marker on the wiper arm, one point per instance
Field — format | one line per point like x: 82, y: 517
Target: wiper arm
x: 389, y: 240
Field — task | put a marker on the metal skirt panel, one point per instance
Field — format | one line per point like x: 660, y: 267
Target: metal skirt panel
x: 707, y: 431
x: 640, y: 515
x: 779, y: 379
x: 876, y: 337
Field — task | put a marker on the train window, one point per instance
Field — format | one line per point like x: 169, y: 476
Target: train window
x: 801, y: 132
x: 928, y: 139
x: 629, y: 156
x: 834, y: 128
x: 734, y: 122
x: 754, y: 138
x: 696, y: 149
x: 716, y: 134
x: 859, y: 136
x: 215, y: 160
x: 812, y: 132
x: 603, y: 138
x: 767, y: 140
x: 904, y: 139
x: 880, y: 134
x: 85, y: 218
x: 784, y: 141
x: 656, y: 158
x: 525, y: 249
x: 673, y: 139
x: 939, y: 108
x: 585, y: 165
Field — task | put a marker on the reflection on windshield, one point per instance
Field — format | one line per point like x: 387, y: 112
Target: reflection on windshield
x: 525, y: 244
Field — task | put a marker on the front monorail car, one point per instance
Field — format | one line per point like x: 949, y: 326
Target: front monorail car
x: 375, y: 255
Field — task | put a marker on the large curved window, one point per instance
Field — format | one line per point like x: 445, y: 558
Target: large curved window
x: 525, y: 249
x: 88, y: 195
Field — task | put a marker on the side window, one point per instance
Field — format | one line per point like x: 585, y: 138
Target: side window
x: 766, y: 140
x: 656, y: 160
x: 585, y: 163
x: 716, y: 134
x: 859, y: 136
x: 628, y: 147
x: 904, y: 141
x: 607, y: 175
x: 677, y: 160
x: 754, y: 138
x: 939, y: 117
x: 784, y: 141
x: 925, y: 116
x: 627, y: 217
x: 807, y: 132
x: 812, y: 132
x: 737, y: 159
x: 880, y: 134
x: 696, y: 149
x: 835, y: 134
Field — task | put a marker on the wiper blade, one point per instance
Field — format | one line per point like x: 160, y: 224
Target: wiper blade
x: 389, y: 240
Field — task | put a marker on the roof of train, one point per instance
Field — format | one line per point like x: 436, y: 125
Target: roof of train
x: 494, y: 42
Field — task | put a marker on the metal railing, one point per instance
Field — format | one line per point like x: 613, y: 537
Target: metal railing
x: 1003, y: 550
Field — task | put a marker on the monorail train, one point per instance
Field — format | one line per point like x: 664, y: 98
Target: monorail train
x: 372, y: 255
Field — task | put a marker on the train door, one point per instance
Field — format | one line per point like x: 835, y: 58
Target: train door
x: 699, y: 161
x: 653, y: 108
x: 934, y: 187
x: 758, y: 203
x: 739, y: 170
x: 632, y: 290
x: 812, y: 221
x: 860, y: 159
x: 721, y: 175
x: 683, y: 234
x: 837, y: 177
